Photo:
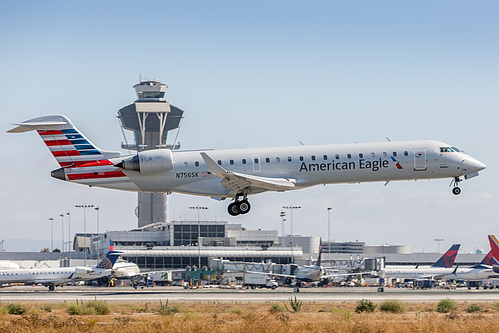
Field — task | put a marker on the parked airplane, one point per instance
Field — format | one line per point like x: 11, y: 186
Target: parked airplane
x: 238, y: 173
x: 481, y: 271
x: 4, y: 264
x: 307, y: 273
x: 52, y: 277
x: 439, y: 269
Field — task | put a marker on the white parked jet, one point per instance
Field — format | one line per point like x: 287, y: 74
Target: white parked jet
x: 238, y: 173
x: 441, y: 268
x: 482, y: 271
x: 52, y: 277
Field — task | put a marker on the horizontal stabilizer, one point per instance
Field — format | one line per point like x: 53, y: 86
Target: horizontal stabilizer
x: 39, y: 125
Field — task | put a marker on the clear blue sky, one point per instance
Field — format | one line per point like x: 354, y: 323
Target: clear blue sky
x: 256, y: 74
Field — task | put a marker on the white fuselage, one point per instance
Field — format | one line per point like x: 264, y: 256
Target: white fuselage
x: 308, y: 273
x: 472, y: 273
x: 416, y: 273
x: 51, y: 276
x: 304, y: 165
x: 125, y: 270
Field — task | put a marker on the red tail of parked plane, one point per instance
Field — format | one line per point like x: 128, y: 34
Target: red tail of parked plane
x: 447, y: 260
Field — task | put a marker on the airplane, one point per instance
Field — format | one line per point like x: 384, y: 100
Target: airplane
x: 481, y: 271
x: 5, y: 264
x: 307, y: 273
x: 238, y: 173
x: 494, y: 248
x: 52, y: 277
x: 439, y: 269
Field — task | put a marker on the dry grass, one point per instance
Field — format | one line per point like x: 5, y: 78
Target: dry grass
x: 251, y: 317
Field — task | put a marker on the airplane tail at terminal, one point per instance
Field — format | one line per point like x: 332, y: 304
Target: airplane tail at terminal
x: 447, y: 260
x: 489, y: 260
x: 110, y: 259
x: 319, y: 258
x: 494, y: 246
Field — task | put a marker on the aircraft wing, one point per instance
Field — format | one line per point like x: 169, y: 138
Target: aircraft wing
x: 326, y: 276
x: 272, y: 274
x: 235, y: 181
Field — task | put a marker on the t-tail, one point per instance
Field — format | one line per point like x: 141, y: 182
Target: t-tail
x: 71, y: 148
x: 447, y: 260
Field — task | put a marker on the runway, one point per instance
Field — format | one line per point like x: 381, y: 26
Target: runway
x: 177, y: 294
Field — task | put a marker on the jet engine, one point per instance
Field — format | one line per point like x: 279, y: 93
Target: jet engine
x: 149, y: 161
x: 83, y: 271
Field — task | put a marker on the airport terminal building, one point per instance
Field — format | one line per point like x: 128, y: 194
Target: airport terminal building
x: 159, y: 246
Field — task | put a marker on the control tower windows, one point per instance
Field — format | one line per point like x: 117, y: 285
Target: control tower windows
x: 151, y: 94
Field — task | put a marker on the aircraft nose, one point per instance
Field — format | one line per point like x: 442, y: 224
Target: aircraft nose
x: 474, y: 165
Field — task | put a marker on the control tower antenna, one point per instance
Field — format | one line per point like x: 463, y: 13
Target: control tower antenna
x: 150, y: 118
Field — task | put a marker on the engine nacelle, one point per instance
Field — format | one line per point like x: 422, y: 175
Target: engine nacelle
x: 81, y: 271
x: 149, y: 161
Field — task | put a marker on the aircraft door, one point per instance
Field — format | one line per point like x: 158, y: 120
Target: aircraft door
x: 419, y: 159
x: 257, y: 163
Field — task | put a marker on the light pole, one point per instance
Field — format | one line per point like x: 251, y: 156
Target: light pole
x: 291, y: 208
x: 84, y: 206
x: 328, y: 233
x: 51, y: 219
x: 283, y: 215
x: 69, y: 232
x: 438, y: 240
x: 198, y: 208
x: 97, y: 210
x: 62, y: 225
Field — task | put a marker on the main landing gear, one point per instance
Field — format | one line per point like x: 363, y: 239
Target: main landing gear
x: 239, y: 207
x: 456, y: 190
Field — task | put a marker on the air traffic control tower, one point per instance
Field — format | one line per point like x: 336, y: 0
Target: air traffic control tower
x: 150, y: 118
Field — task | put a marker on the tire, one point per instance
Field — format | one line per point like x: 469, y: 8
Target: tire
x: 233, y: 209
x: 243, y: 207
x: 456, y: 191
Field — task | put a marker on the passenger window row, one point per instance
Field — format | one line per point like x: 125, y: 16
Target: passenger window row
x: 301, y: 158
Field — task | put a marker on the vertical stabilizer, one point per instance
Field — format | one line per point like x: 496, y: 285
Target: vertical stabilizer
x: 447, y: 260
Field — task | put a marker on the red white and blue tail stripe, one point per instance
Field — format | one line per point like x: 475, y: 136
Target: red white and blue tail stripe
x: 79, y: 158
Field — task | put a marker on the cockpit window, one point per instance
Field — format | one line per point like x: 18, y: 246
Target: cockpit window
x: 456, y: 150
x: 446, y: 150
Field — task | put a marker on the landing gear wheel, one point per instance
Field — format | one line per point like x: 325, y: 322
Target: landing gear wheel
x: 456, y: 191
x: 233, y: 209
x: 243, y: 206
x: 51, y: 288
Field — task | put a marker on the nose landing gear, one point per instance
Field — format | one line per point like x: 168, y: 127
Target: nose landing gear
x: 456, y: 190
x: 239, y: 207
